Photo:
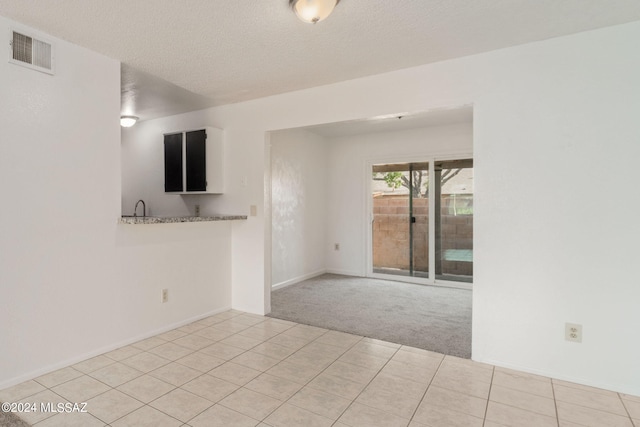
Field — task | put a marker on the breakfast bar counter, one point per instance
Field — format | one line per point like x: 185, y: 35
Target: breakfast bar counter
x: 177, y: 219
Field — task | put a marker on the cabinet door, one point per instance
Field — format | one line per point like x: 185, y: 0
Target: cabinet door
x: 196, y: 160
x: 173, y: 163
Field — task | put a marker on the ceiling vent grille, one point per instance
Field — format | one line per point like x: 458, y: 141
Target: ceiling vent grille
x: 31, y: 52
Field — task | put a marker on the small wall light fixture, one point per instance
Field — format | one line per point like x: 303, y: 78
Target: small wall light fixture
x: 312, y: 11
x: 128, y: 121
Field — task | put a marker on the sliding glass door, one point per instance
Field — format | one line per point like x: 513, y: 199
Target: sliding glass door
x: 406, y: 241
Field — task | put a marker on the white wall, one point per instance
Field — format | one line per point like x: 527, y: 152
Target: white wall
x: 299, y: 177
x: 74, y: 283
x: 555, y: 133
x: 348, y: 156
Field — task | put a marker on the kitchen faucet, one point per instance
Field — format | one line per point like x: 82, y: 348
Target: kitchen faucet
x: 144, y: 208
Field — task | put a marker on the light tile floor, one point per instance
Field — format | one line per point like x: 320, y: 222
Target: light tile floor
x: 238, y: 369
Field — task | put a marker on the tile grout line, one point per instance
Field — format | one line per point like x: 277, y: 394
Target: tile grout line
x: 99, y: 394
x: 263, y: 372
x: 87, y: 374
x: 174, y: 389
x: 486, y: 409
x: 227, y: 361
x: 426, y: 390
x: 199, y: 376
x: 626, y: 409
x: 555, y: 402
x: 322, y: 371
x: 206, y: 373
x: 143, y: 374
x: 95, y: 379
x: 147, y: 351
x: 445, y: 387
x: 328, y: 366
x: 606, y: 411
x: 367, y: 385
x: 530, y: 410
x: 300, y: 349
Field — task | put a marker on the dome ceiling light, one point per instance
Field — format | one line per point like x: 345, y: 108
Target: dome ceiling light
x: 313, y: 11
x: 128, y: 121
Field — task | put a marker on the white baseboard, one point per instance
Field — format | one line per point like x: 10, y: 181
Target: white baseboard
x: 72, y: 361
x: 247, y: 310
x: 345, y: 272
x: 297, y: 279
x: 620, y: 388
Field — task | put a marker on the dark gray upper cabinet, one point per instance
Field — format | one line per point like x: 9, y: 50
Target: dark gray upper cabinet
x: 193, y: 162
x: 173, y: 163
x: 196, y: 160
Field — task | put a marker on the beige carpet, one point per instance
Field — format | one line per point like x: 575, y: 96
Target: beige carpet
x: 7, y: 419
x: 428, y: 317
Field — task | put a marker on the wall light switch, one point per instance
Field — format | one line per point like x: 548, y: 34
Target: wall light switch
x: 253, y: 210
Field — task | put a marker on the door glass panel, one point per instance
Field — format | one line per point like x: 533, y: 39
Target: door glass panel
x: 420, y: 221
x: 454, y: 224
x: 400, y: 219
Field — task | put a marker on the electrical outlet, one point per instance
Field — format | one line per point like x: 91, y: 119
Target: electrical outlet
x: 336, y: 246
x: 197, y: 210
x: 253, y: 210
x: 165, y: 295
x: 573, y: 332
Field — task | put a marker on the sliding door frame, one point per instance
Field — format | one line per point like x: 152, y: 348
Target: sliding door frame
x: 368, y: 214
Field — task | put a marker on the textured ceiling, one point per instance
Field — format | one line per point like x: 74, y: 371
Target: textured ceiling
x: 394, y: 122
x: 148, y: 97
x: 230, y: 51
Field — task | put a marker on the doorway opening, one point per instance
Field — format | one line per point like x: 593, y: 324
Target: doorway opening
x: 320, y: 248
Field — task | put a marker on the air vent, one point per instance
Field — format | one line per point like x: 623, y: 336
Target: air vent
x: 31, y: 52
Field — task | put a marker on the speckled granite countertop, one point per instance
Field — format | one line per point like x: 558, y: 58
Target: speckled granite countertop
x: 176, y: 219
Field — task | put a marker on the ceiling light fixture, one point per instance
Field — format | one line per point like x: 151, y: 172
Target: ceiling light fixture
x: 128, y: 121
x: 313, y: 11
